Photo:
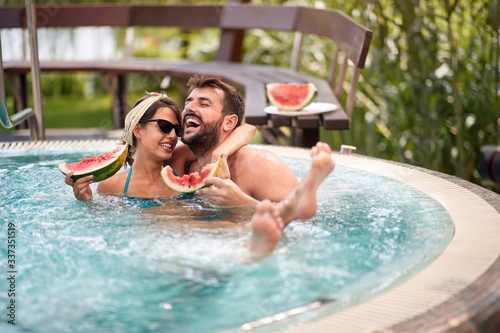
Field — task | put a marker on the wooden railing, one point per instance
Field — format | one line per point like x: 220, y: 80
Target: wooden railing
x: 350, y: 38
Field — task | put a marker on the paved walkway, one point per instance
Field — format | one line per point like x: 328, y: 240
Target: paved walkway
x: 63, y: 134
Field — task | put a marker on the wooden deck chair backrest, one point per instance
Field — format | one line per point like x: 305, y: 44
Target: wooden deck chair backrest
x: 236, y: 18
x: 115, y: 15
x: 351, y: 39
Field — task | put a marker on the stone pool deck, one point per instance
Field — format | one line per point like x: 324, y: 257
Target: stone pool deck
x: 460, y: 290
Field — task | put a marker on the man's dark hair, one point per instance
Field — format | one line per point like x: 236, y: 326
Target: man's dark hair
x: 234, y: 103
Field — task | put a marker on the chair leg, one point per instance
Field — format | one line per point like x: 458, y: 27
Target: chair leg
x: 299, y: 137
x: 269, y: 135
x: 306, y: 137
x: 120, y: 105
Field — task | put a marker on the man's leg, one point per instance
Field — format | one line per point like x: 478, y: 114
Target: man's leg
x: 301, y: 203
x: 267, y: 227
x: 270, y: 219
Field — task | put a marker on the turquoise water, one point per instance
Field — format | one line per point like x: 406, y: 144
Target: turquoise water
x: 117, y: 266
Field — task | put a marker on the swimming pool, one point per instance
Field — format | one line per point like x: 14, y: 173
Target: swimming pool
x: 113, y: 265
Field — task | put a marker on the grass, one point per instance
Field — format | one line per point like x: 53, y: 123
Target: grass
x: 79, y: 113
x: 74, y: 112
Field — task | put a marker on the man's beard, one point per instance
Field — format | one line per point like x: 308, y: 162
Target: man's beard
x: 206, y: 140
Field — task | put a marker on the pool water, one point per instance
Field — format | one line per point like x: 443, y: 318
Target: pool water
x: 118, y: 265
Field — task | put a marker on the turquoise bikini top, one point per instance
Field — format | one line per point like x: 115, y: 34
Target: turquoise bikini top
x: 207, y: 214
x: 128, y: 180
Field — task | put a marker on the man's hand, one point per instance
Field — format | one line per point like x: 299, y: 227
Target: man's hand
x: 81, y: 187
x: 225, y: 193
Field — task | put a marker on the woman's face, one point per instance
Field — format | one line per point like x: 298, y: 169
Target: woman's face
x: 152, y: 139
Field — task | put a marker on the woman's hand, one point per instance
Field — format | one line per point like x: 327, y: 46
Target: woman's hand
x: 224, y: 169
x: 81, y: 186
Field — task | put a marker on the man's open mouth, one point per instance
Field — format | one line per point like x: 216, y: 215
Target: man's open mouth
x: 192, y: 122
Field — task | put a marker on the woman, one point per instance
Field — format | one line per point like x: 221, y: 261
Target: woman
x: 151, y: 130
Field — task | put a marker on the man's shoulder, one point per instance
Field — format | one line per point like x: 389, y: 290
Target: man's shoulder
x: 252, y: 156
x: 253, y: 151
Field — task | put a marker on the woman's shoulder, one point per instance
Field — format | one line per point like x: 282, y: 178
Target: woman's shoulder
x: 114, y: 184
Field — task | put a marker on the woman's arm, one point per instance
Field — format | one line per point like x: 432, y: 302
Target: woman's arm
x: 183, y: 156
x: 239, y: 137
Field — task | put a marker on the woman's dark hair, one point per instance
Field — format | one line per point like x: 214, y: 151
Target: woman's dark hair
x: 164, y: 102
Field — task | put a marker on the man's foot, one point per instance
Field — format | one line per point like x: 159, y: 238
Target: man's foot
x: 267, y: 227
x: 301, y: 203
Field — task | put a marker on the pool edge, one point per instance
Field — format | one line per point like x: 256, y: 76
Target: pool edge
x: 451, y: 303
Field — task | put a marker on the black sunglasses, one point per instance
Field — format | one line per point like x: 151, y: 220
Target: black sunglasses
x: 165, y: 126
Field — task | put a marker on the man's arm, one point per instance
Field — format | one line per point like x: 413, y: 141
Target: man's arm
x: 239, y: 137
x: 255, y: 175
x: 184, y: 159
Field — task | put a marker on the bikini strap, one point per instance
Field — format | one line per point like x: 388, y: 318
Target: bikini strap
x: 128, y: 180
x: 165, y: 164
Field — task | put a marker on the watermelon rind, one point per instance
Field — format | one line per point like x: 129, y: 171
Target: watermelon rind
x: 101, y: 168
x: 282, y: 95
x: 184, y: 183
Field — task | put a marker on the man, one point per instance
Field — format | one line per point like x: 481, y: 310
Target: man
x: 212, y: 110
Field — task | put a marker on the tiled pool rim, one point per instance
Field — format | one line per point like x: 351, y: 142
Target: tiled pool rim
x: 458, y: 292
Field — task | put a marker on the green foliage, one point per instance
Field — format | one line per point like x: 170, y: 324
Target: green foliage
x: 58, y: 85
x: 432, y: 83
x: 429, y: 94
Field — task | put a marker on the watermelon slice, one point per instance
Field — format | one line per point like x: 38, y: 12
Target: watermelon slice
x: 101, y: 166
x: 290, y: 96
x: 193, y: 181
